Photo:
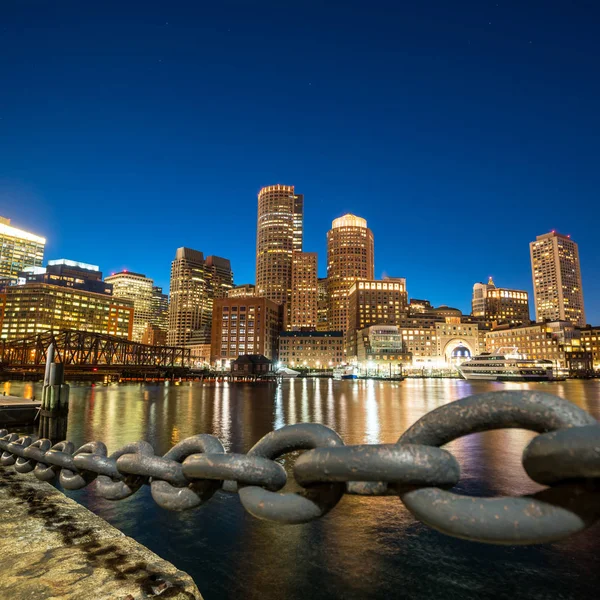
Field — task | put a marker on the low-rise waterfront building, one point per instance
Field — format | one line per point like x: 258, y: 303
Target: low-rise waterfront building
x: 421, y: 344
x: 456, y: 341
x: 251, y: 364
x: 311, y: 349
x: 590, y: 341
x: 557, y: 341
x: 381, y: 350
x: 249, y: 325
x: 38, y: 307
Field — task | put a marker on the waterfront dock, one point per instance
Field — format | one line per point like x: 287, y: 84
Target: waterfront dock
x: 18, y: 411
x: 52, y: 547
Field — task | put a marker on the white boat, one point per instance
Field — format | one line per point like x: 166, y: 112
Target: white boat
x: 346, y: 372
x: 286, y: 373
x: 506, y: 366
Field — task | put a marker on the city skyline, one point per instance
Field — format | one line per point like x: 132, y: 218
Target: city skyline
x: 458, y: 135
x: 465, y: 306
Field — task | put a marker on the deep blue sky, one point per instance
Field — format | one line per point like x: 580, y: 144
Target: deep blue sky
x: 459, y: 130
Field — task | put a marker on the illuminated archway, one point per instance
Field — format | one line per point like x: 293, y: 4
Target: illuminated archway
x: 457, y: 351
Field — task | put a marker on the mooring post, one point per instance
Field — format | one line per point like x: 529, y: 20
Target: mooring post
x: 55, y: 399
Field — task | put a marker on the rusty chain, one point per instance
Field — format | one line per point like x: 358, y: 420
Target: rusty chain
x: 564, y: 456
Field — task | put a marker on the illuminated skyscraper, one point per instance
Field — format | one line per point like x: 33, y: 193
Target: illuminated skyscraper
x: 500, y: 305
x: 160, y: 308
x: 322, y: 304
x: 303, y: 313
x: 138, y: 289
x: 195, y: 282
x: 556, y: 275
x: 350, y: 257
x: 278, y: 235
x: 18, y: 250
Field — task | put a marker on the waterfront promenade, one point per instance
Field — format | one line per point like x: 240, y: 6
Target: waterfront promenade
x: 52, y: 547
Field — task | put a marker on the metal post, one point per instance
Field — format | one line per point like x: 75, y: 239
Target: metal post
x: 55, y: 400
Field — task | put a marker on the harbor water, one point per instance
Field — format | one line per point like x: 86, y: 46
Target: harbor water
x: 366, y: 547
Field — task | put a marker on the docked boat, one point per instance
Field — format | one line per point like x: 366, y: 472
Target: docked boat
x: 285, y: 373
x: 345, y: 373
x: 506, y: 366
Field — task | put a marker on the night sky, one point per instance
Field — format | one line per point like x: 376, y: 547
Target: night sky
x: 459, y: 130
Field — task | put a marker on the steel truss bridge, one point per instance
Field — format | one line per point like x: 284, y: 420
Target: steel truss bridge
x: 83, y: 350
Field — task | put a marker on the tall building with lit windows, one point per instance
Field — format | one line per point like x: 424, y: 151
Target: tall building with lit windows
x: 19, y: 250
x: 195, y: 283
x: 350, y: 257
x: 137, y: 288
x: 378, y: 302
x: 303, y: 306
x: 322, y: 304
x: 278, y: 236
x: 556, y: 275
x: 498, y: 306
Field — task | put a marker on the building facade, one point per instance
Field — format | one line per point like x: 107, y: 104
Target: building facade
x: 137, y: 288
x: 240, y: 326
x: 242, y: 291
x: 375, y: 302
x: 160, y: 309
x: 350, y: 257
x: 557, y: 287
x: 305, y: 293
x: 38, y: 307
x: 322, y: 304
x: 381, y: 350
x: 19, y: 249
x: 496, y: 306
x: 311, y: 349
x: 557, y: 341
x: 68, y: 273
x: 590, y: 341
x: 195, y: 283
x: 278, y: 236
x: 456, y: 340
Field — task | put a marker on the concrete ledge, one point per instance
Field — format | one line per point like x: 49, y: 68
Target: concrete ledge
x: 54, y: 548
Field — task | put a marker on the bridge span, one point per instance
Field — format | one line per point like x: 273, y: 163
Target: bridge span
x: 84, y: 351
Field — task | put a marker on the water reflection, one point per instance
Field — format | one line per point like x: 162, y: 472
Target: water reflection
x: 362, y: 549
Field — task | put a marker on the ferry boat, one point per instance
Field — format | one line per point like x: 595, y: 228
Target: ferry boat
x: 506, y: 366
x: 344, y: 373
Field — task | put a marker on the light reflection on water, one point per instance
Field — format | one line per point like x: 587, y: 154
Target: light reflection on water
x: 365, y: 548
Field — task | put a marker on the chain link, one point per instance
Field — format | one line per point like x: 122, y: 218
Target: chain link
x: 565, y: 456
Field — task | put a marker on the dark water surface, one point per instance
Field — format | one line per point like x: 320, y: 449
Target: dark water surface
x: 365, y: 548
